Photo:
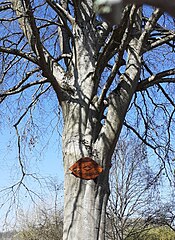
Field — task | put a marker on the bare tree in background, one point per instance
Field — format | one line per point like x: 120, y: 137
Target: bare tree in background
x: 133, y: 191
x: 98, y: 74
x: 163, y: 214
x: 43, y: 221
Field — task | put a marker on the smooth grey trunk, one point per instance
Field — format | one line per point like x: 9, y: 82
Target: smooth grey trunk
x: 84, y: 200
x: 84, y: 208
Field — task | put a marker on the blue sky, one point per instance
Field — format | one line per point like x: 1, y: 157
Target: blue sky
x: 46, y: 162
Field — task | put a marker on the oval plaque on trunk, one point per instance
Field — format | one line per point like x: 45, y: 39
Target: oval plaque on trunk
x: 86, y: 168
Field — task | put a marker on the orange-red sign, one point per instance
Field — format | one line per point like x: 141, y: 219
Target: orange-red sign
x: 86, y: 168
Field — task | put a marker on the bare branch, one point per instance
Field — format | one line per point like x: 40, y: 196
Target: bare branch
x: 28, y: 25
x: 166, y: 95
x: 27, y: 76
x: 61, y: 11
x: 150, y: 25
x: 155, y: 79
x: 121, y: 49
x: 164, y: 37
x: 161, y: 41
x: 139, y: 136
x: 110, y: 48
x: 15, y: 90
x: 19, y: 153
x: 30, y: 105
x: 19, y: 53
x: 64, y: 55
x: 5, y: 6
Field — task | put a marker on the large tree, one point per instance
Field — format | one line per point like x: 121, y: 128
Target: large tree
x: 99, y: 73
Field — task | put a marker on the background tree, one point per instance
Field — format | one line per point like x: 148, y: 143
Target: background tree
x: 163, y: 214
x: 132, y: 184
x: 45, y: 222
x: 98, y: 73
x: 43, y: 219
x: 135, y: 203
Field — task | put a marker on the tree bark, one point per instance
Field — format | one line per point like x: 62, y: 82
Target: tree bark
x: 84, y: 200
x: 84, y: 207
